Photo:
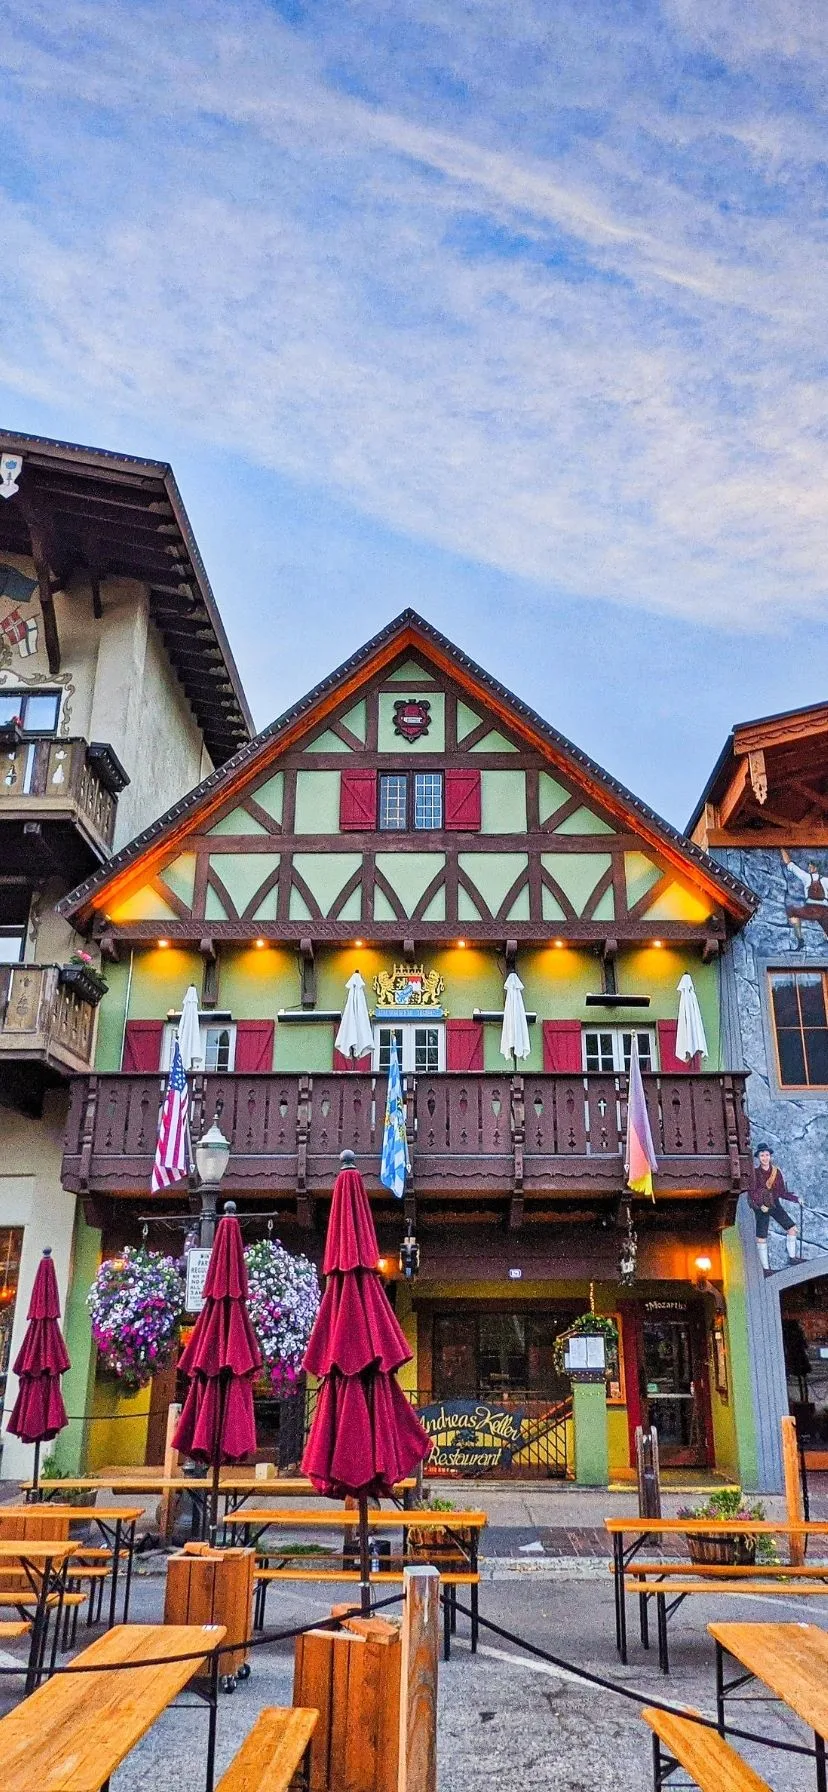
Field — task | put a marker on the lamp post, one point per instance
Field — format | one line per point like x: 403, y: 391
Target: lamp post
x: 212, y: 1155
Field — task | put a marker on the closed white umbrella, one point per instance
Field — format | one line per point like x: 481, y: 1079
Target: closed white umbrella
x: 690, y: 1034
x: 189, y: 1031
x: 356, y: 1035
x: 514, y: 1037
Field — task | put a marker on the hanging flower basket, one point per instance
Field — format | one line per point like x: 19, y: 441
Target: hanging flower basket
x: 283, y: 1300
x: 136, y: 1303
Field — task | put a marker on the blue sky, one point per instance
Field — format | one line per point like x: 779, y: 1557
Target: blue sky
x: 513, y: 312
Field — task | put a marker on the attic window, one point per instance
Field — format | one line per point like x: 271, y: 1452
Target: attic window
x: 410, y: 801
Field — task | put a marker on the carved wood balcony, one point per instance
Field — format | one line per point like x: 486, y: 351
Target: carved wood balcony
x: 478, y: 1135
x: 43, y: 1020
x: 58, y: 797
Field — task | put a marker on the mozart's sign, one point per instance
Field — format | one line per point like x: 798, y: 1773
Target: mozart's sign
x: 470, y: 1436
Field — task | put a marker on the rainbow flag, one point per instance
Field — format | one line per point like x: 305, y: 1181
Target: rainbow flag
x: 639, y: 1158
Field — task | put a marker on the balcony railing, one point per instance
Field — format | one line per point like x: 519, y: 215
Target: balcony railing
x: 541, y: 1135
x: 43, y: 1019
x: 46, y: 779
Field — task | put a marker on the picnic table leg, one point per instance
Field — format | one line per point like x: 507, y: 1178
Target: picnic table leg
x: 644, y: 1620
x: 38, y: 1637
x: 474, y: 1591
x: 113, y: 1592
x: 130, y: 1560
x: 720, y: 1693
x: 821, y: 1781
x: 661, y: 1613
x: 212, y: 1720
x: 620, y: 1596
x: 446, y: 1623
x: 58, y: 1618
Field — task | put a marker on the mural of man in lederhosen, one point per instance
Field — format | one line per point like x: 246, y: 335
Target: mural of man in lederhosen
x: 766, y: 1194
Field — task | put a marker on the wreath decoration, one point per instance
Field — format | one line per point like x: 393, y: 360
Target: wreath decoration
x: 587, y: 1322
x: 283, y: 1301
x: 135, y: 1304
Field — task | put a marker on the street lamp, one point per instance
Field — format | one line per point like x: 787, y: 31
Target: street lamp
x: 212, y: 1155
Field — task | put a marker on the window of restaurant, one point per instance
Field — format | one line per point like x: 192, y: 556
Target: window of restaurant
x: 11, y: 1245
x: 800, y: 1022
x: 493, y: 1355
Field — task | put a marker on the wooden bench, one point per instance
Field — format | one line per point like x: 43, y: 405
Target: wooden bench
x: 670, y: 1583
x: 73, y: 1732
x: 456, y: 1564
x: 710, y: 1761
x: 275, y: 1755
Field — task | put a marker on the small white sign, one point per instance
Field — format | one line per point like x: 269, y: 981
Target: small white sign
x: 576, y: 1353
x: 596, y: 1353
x: 197, y: 1262
x: 515, y: 1275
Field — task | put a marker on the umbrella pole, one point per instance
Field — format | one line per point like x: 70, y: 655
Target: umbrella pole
x: 36, y: 1473
x: 364, y: 1558
x: 217, y: 1443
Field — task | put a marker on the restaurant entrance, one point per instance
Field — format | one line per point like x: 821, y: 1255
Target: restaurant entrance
x: 675, y: 1393
x: 493, y: 1400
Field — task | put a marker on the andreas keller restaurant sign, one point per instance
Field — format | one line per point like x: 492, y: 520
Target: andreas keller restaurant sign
x: 471, y: 1436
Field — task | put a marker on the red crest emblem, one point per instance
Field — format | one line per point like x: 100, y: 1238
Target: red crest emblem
x: 412, y: 718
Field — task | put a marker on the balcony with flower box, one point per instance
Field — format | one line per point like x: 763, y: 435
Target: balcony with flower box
x: 47, y: 1015
x: 58, y: 802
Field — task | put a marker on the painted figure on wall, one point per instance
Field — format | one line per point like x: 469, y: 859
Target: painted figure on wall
x: 766, y: 1195
x: 806, y: 896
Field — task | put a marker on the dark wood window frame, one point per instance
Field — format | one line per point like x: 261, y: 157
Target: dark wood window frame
x: 410, y: 787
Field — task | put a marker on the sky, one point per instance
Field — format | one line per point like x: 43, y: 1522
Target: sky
x: 515, y: 313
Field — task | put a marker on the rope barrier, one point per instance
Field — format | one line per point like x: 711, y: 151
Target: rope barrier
x: 250, y: 1642
x: 628, y: 1692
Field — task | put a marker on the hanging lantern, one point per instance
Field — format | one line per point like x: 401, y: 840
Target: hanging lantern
x: 628, y: 1259
x: 409, y: 1256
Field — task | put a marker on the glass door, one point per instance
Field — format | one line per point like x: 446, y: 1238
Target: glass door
x: 674, y: 1369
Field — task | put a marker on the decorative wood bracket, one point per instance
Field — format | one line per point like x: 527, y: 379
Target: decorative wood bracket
x: 758, y: 775
x: 609, y: 950
x: 511, y: 955
x: 209, y: 981
x: 308, y: 974
x: 710, y: 949
x: 518, y: 1122
x: 110, y: 946
x: 409, y: 951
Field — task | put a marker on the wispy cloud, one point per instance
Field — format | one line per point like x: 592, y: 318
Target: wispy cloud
x: 544, y: 286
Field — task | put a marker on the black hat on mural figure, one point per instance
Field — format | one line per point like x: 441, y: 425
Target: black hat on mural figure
x: 761, y: 1148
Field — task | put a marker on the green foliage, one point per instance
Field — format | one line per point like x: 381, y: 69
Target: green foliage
x: 730, y: 1502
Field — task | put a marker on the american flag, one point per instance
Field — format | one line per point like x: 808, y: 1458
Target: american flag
x: 172, y: 1153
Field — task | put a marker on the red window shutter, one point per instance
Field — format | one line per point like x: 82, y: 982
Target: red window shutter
x: 562, y: 1045
x: 462, y: 805
x: 340, y: 1062
x: 464, y: 1045
x: 668, y: 1061
x: 358, y: 800
x: 142, y: 1046
x: 254, y: 1045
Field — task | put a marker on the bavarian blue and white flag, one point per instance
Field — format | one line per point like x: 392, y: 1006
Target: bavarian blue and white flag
x: 394, y: 1144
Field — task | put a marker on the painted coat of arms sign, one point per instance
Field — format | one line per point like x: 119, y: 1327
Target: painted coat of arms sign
x: 412, y: 718
x: 409, y: 986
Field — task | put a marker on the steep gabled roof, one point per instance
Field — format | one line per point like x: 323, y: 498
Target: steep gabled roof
x: 89, y: 511
x: 408, y: 632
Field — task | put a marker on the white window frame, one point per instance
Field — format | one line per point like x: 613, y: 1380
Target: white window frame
x: 409, y: 1030
x: 207, y: 1024
x: 617, y: 1039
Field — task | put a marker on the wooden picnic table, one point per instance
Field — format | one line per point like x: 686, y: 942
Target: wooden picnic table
x: 640, y: 1529
x: 44, y: 1561
x: 73, y: 1733
x: 791, y: 1660
x: 115, y: 1523
x: 236, y: 1488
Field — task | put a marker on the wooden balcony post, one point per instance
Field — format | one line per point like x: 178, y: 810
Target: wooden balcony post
x: 732, y: 1131
x: 304, y: 1212
x: 517, y: 1115
x: 88, y: 1132
x: 410, y: 1098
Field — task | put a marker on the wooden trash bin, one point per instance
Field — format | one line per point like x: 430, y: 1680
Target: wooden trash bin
x: 214, y: 1586
x: 352, y: 1678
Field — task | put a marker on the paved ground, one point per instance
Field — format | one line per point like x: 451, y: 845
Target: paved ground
x: 503, y: 1721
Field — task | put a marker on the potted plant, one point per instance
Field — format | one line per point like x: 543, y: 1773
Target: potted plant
x: 68, y: 1494
x: 446, y: 1543
x: 80, y: 974
x: 729, y: 1550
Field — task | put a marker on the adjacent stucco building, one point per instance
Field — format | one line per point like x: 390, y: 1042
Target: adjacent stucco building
x: 118, y: 693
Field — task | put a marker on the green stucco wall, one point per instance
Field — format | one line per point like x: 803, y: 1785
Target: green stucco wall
x: 69, y: 1450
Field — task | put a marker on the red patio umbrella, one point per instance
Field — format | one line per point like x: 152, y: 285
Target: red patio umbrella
x: 365, y: 1436
x: 38, y: 1413
x: 222, y: 1358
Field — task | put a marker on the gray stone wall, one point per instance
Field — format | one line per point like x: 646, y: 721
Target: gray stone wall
x: 795, y: 1125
